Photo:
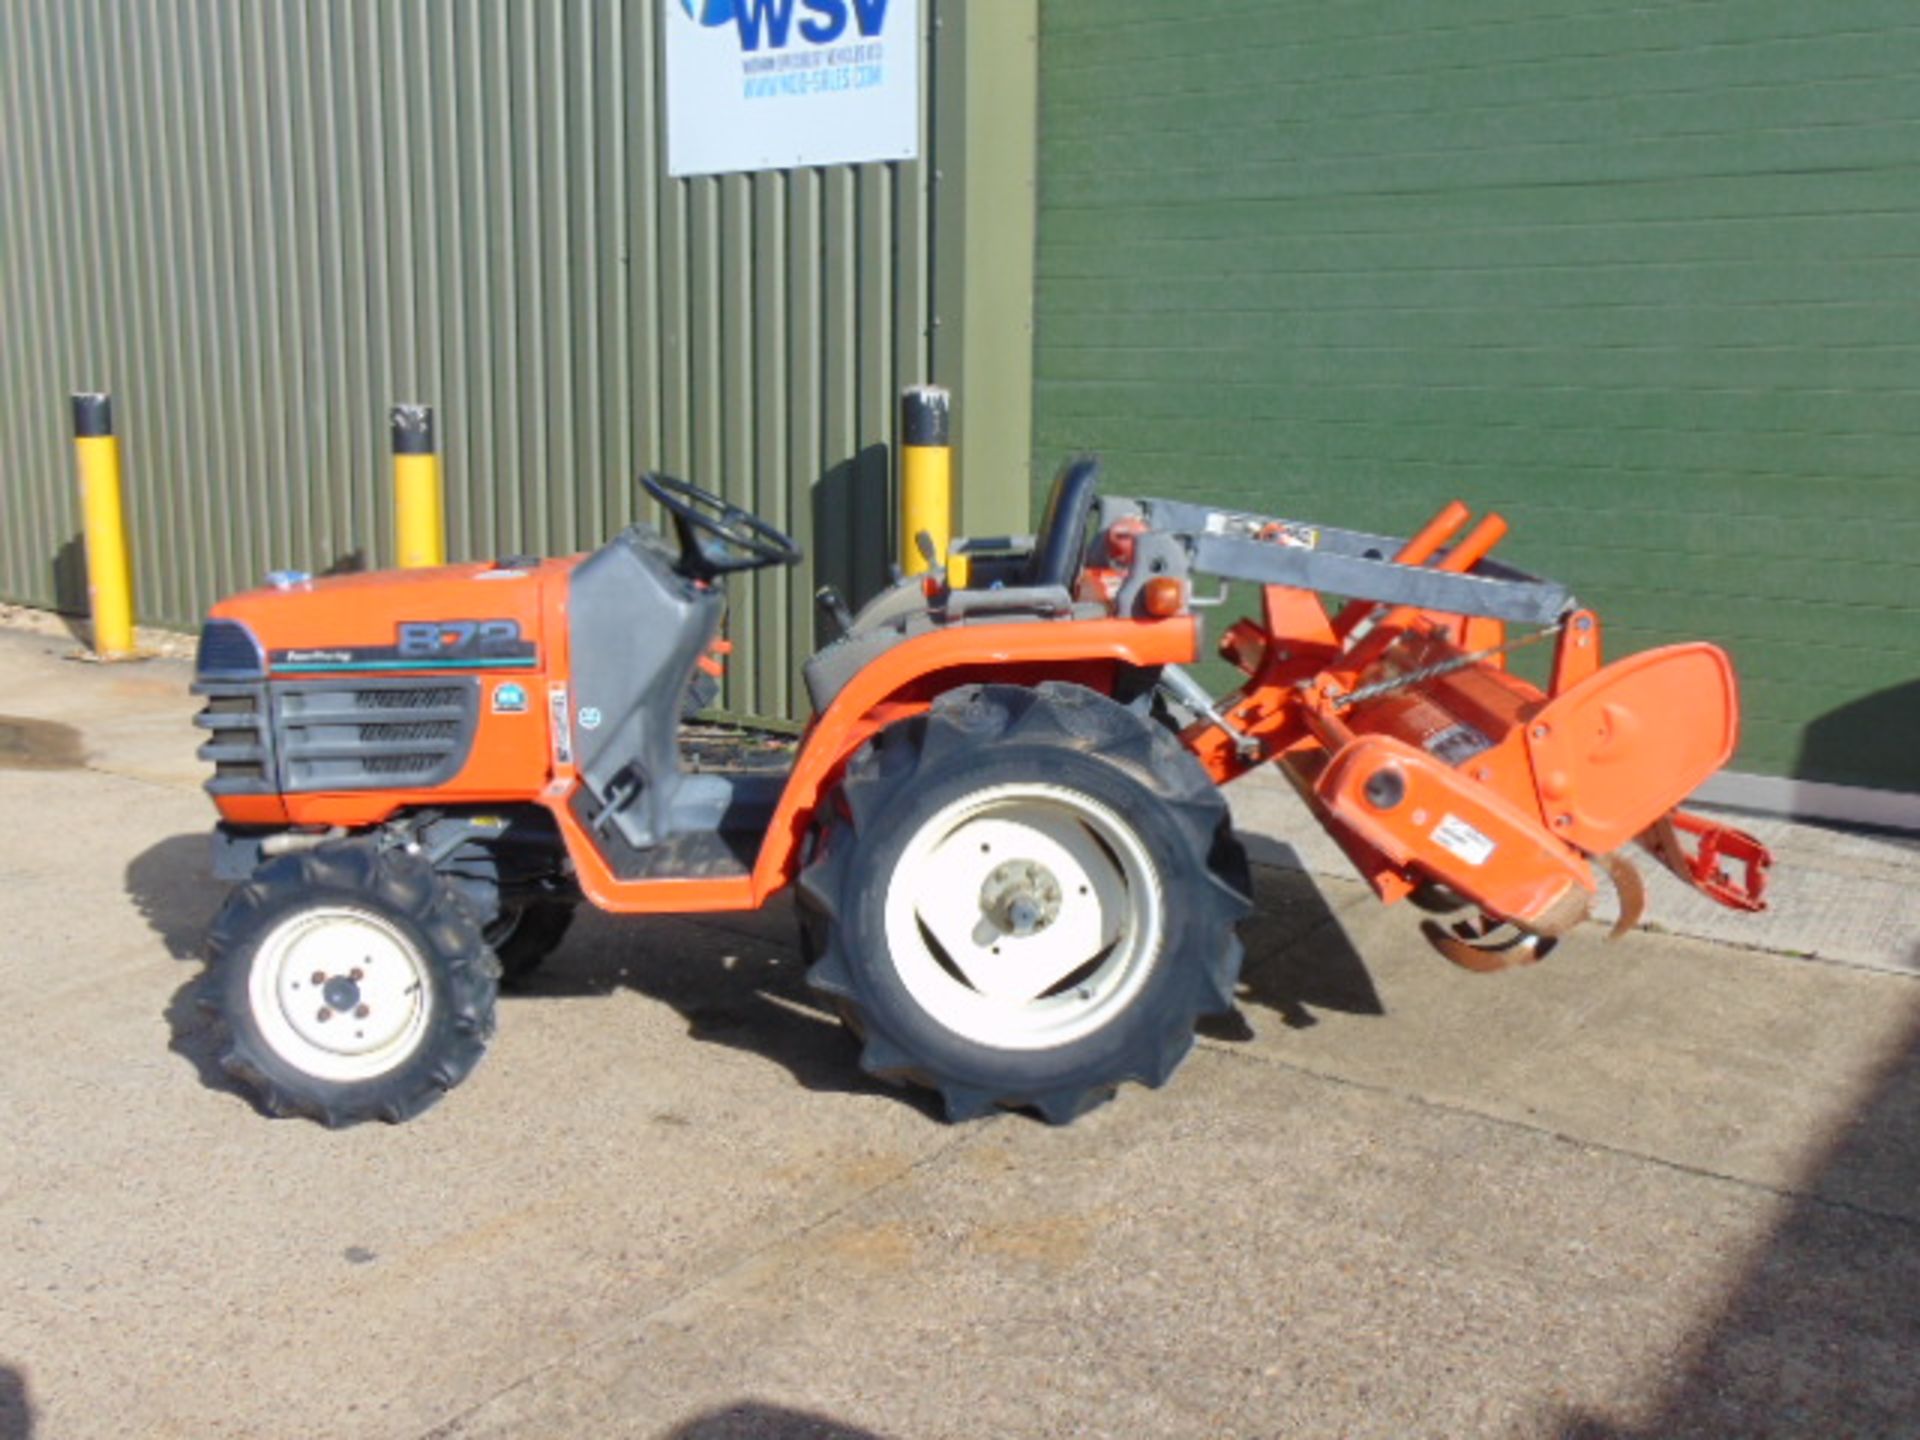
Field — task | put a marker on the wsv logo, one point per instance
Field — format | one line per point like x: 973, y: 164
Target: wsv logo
x: 771, y: 22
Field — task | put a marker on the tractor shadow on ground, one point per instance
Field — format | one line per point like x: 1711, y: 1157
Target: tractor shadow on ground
x: 736, y: 980
x: 1299, y: 959
x: 170, y: 886
x: 16, y: 1410
x: 739, y: 980
x: 751, y: 1420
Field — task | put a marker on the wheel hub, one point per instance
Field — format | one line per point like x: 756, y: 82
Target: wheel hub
x: 1021, y: 897
x: 340, y: 992
x: 1024, y: 915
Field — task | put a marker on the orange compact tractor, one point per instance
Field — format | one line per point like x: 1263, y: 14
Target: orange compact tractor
x: 1014, y: 867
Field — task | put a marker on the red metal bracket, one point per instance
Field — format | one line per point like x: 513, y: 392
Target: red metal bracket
x: 1701, y: 867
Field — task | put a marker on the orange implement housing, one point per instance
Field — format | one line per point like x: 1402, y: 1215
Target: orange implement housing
x: 1436, y: 768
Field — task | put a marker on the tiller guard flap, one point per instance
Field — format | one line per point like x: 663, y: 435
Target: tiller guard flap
x: 1623, y: 747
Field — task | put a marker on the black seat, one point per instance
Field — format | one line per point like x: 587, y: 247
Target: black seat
x: 1059, y: 550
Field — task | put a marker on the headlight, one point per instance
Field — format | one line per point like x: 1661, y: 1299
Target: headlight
x: 228, y: 651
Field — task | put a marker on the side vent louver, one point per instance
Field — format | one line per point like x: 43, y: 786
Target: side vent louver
x: 240, y: 749
x: 335, y: 735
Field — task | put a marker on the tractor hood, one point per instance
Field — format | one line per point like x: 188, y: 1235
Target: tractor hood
x: 450, y: 618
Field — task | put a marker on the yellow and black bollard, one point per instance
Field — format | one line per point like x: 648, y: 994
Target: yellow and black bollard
x: 419, y: 506
x: 926, y: 475
x: 103, y: 514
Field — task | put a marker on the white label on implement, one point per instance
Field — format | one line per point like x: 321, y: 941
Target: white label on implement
x: 1457, y: 837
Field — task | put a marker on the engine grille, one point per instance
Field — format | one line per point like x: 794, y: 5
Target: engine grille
x: 307, y: 735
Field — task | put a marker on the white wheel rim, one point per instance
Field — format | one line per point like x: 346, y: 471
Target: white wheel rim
x: 340, y: 993
x: 1071, y: 859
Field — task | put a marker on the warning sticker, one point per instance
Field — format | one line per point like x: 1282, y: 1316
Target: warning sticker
x: 1457, y: 744
x: 1457, y: 837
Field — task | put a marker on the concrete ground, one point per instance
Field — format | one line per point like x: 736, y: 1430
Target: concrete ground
x: 1665, y: 1187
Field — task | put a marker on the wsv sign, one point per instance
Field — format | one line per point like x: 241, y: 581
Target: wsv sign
x: 772, y: 23
x: 789, y: 84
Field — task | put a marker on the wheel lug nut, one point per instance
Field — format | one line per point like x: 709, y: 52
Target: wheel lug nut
x: 356, y: 974
x: 319, y: 977
x: 361, y: 1012
x: 325, y: 1015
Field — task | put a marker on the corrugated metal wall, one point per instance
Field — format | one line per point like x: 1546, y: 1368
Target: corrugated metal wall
x: 260, y: 224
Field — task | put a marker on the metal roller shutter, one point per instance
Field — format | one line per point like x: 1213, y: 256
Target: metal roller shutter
x: 1645, y: 278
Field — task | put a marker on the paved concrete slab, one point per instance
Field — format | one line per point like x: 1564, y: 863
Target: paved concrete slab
x: 1665, y: 1187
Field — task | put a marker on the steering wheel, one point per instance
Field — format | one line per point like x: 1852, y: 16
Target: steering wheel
x: 717, y: 538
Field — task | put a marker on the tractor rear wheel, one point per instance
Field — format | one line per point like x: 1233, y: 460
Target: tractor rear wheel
x: 1025, y: 897
x: 351, y: 983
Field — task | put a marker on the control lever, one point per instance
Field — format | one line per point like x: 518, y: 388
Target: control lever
x: 833, y: 609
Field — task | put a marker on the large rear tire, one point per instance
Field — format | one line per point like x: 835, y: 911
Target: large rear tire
x: 351, y: 984
x: 1024, y: 898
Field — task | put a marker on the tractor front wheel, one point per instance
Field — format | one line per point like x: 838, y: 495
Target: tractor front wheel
x: 523, y: 936
x: 351, y: 984
x: 1024, y: 898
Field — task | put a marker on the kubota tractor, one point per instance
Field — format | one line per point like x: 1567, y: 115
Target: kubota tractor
x: 1013, y: 861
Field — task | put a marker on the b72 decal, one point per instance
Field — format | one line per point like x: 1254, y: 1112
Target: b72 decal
x: 422, y: 645
x: 461, y: 639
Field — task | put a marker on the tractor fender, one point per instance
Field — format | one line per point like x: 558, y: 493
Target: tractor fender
x: 904, y: 679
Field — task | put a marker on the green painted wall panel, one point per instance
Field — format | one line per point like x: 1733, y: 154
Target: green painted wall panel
x: 1642, y: 277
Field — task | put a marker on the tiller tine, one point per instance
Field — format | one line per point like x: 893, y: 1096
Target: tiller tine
x: 1700, y: 867
x: 1487, y: 945
x: 1628, y: 888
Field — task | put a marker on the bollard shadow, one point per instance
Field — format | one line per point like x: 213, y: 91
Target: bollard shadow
x: 170, y: 885
x: 1817, y: 1334
x: 751, y: 1420
x: 16, y: 1409
x: 852, y: 528
x: 353, y: 562
x: 68, y: 570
